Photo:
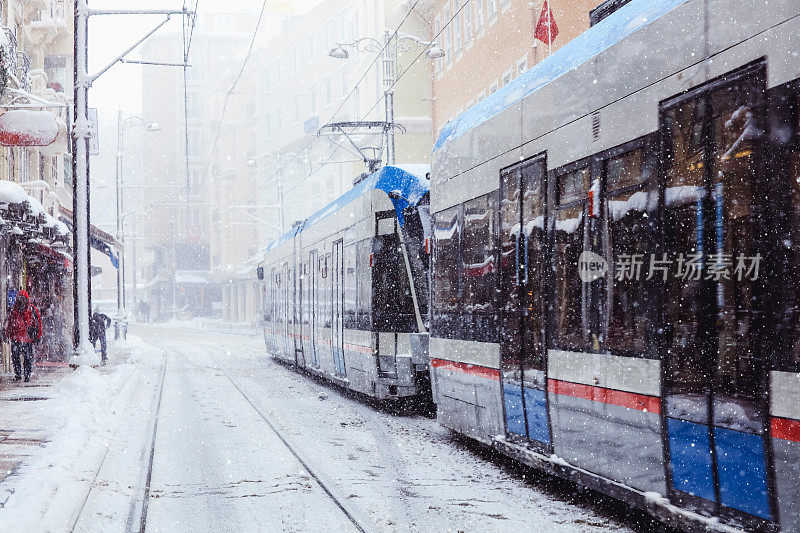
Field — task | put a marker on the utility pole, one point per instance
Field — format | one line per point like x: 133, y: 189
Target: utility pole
x: 84, y: 351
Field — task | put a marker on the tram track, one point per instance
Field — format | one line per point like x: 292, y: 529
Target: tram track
x: 359, y: 522
x: 151, y: 456
x: 79, y: 515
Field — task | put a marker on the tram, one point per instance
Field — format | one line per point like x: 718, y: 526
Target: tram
x: 345, y: 292
x: 616, y: 263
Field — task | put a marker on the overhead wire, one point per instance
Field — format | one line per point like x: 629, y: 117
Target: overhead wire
x: 235, y: 82
x: 349, y: 94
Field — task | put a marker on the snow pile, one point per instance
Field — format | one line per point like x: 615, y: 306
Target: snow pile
x: 136, y: 351
x: 11, y: 193
x: 79, y: 419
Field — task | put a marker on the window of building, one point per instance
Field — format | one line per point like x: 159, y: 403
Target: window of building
x: 507, y: 77
x: 438, y: 31
x: 328, y: 91
x: 493, y: 87
x: 457, y: 26
x: 294, y: 58
x: 522, y: 65
x: 447, y: 40
x: 296, y: 108
x: 312, y: 47
x: 492, y: 10
x: 313, y: 98
x: 480, y: 10
x: 467, y: 16
x: 278, y: 72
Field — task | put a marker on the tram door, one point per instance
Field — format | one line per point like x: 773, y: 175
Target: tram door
x: 715, y: 383
x: 309, y: 320
x: 337, y: 293
x: 522, y: 348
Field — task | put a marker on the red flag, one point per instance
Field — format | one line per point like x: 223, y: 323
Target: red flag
x: 546, y: 29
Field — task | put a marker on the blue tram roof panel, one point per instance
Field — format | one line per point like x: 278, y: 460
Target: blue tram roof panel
x: 405, y: 185
x: 608, y: 32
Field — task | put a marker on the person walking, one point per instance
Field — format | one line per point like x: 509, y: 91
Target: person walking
x: 23, y: 328
x: 97, y: 331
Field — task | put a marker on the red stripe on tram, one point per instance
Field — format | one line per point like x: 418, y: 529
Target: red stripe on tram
x: 631, y: 400
x: 466, y: 368
x: 785, y: 429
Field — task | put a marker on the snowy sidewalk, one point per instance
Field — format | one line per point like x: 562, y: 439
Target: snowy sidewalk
x: 54, y: 433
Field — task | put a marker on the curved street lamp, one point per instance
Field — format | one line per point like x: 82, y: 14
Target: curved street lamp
x: 390, y: 47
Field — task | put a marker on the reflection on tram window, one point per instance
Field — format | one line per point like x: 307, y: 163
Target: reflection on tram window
x: 350, y: 286
x: 478, y: 255
x: 689, y: 371
x: 533, y: 228
x: 364, y: 274
x: 629, y: 218
x: 391, y: 301
x: 305, y: 281
x: 446, y: 260
x: 709, y: 306
x: 571, y: 301
x: 735, y: 132
x: 324, y: 301
x: 789, y: 354
x: 573, y: 185
x: 276, y: 296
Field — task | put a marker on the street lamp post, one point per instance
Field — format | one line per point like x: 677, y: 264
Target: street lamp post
x: 121, y: 304
x: 390, y: 47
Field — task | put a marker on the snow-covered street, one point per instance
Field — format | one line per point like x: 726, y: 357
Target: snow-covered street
x: 210, y: 434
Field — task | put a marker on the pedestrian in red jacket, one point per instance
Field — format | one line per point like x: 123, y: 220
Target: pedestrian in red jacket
x: 23, y: 327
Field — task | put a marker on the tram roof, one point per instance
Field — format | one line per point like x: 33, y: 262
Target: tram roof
x: 405, y: 185
x: 627, y: 20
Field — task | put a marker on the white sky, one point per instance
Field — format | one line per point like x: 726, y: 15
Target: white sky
x: 121, y: 86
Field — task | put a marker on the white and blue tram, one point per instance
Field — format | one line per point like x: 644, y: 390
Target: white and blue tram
x: 336, y: 294
x: 616, y: 263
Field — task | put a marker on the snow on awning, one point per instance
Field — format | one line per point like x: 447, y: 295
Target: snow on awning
x: 26, y: 127
x: 61, y: 143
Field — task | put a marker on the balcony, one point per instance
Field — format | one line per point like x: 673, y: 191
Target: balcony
x: 49, y: 22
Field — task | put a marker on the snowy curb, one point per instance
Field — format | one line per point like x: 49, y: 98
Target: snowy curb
x: 54, y: 483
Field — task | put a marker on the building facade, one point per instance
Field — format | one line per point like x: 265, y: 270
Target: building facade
x: 35, y: 175
x: 488, y: 43
x: 293, y: 170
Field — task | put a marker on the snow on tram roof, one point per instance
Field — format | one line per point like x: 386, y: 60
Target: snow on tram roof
x: 405, y: 185
x: 608, y: 32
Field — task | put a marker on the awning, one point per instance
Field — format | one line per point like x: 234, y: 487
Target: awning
x: 56, y: 255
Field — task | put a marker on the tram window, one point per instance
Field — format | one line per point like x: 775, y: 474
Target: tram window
x: 478, y: 255
x: 277, y: 297
x: 735, y: 132
x: 573, y: 185
x: 364, y: 274
x: 393, y: 307
x: 789, y: 354
x: 305, y: 280
x: 447, y: 237
x: 689, y: 366
x: 350, y: 286
x: 629, y: 213
x: 571, y: 301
